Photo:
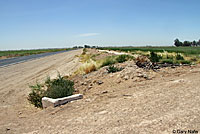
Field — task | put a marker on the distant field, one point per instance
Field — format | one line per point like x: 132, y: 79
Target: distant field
x: 15, y: 53
x: 184, y: 50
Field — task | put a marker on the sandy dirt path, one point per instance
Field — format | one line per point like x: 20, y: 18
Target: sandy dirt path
x: 167, y: 103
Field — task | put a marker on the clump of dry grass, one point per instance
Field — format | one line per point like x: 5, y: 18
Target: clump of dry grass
x: 87, y: 67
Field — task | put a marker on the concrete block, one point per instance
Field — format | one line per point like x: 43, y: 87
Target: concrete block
x: 49, y: 102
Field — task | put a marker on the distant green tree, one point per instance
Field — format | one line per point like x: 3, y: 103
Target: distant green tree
x: 187, y: 43
x: 194, y: 43
x: 87, y: 46
x: 198, y: 43
x: 177, y: 43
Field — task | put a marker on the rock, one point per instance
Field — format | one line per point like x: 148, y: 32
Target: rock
x: 90, y: 86
x: 156, y: 67
x: 99, y: 82
x: 173, y: 66
x: 104, y: 92
x: 118, y: 81
x: 82, y: 83
x: 145, y: 76
x: 7, y: 129
x: 85, y: 83
x: 126, y: 77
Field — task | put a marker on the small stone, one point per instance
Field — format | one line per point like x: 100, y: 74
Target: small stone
x: 7, y: 129
x: 173, y: 66
x: 85, y: 83
x: 82, y: 83
x: 118, y: 81
x: 126, y: 77
x: 89, y: 87
x: 99, y: 82
x: 104, y: 92
x: 145, y: 76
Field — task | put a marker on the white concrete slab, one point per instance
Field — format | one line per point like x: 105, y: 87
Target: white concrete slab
x: 49, y: 102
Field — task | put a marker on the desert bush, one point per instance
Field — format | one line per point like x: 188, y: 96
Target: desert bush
x: 87, y: 67
x: 179, y: 57
x: 184, y: 62
x: 59, y: 88
x: 84, y: 51
x: 154, y: 57
x: 194, y: 59
x: 169, y: 57
x: 113, y: 69
x: 123, y: 58
x: 56, y: 88
x: 109, y: 61
x: 35, y: 97
x: 90, y: 68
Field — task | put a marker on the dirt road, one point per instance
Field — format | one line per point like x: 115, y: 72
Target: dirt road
x: 168, y: 102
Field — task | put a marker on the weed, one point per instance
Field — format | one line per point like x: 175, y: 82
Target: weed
x: 184, y: 62
x: 35, y: 97
x: 109, y: 61
x: 59, y: 88
x: 154, y: 57
x: 123, y: 58
x: 179, y: 57
x: 56, y: 88
x: 113, y: 69
x: 90, y: 68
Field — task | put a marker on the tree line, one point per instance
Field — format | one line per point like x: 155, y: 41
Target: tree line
x: 194, y: 43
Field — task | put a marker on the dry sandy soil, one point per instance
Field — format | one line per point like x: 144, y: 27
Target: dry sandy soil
x: 168, y: 100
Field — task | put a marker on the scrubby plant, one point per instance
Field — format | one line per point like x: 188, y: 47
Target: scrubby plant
x: 55, y: 88
x: 84, y: 51
x: 35, y: 97
x: 184, y: 62
x: 179, y: 57
x: 59, y: 88
x: 90, y: 68
x: 123, y: 58
x: 109, y: 61
x: 154, y: 57
x: 113, y: 69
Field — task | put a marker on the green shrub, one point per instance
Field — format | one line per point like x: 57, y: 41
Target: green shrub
x: 109, y: 61
x: 170, y: 57
x: 184, y: 62
x: 84, y: 51
x: 113, y: 69
x: 179, y: 57
x: 123, y: 58
x: 35, y: 97
x: 154, y: 57
x: 59, y: 88
x: 56, y: 88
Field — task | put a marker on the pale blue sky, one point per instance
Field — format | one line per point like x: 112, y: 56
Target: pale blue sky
x: 28, y: 24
